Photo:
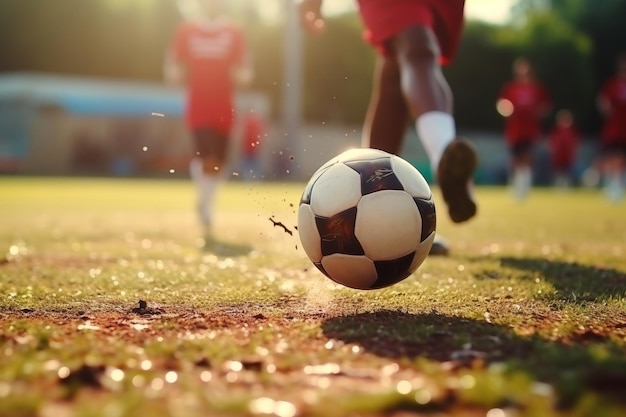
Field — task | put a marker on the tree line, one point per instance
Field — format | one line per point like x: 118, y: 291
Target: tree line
x: 572, y: 44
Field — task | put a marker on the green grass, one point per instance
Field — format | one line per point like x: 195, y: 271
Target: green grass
x: 527, y: 317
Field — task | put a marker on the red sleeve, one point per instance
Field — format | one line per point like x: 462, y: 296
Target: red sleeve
x: 180, y: 45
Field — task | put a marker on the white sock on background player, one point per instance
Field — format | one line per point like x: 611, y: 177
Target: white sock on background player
x: 522, y: 182
x: 614, y: 186
x: 206, y: 186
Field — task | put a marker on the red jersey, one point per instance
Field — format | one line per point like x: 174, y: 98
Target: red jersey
x: 209, y: 51
x: 528, y: 99
x: 385, y: 19
x: 563, y: 142
x: 614, y: 92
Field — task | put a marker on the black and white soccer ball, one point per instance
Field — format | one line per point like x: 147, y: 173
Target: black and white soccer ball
x: 367, y: 219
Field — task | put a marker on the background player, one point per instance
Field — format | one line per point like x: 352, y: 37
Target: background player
x: 209, y: 56
x: 253, y: 132
x: 612, y: 103
x: 524, y: 102
x: 563, y: 141
x: 414, y: 38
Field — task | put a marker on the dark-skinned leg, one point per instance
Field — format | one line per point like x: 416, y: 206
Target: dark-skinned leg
x: 386, y: 121
x: 430, y: 103
x: 423, y: 84
x: 387, y: 115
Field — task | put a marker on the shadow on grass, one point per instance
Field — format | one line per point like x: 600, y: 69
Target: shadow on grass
x: 574, y: 281
x: 226, y: 249
x: 570, y: 367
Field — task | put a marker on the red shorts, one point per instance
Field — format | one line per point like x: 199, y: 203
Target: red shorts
x: 385, y: 19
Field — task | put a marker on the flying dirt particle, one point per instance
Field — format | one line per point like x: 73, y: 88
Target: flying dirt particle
x: 203, y: 363
x: 154, y: 113
x: 291, y: 157
x: 280, y: 224
x: 85, y: 376
x: 144, y: 310
x: 252, y: 364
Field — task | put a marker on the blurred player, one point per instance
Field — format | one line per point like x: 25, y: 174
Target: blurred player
x: 563, y: 140
x: 209, y: 56
x: 253, y: 130
x: 524, y: 102
x: 612, y: 103
x: 413, y: 39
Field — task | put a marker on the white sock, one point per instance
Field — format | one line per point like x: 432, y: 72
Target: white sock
x: 207, y: 186
x: 196, y: 170
x: 522, y: 181
x: 436, y: 129
x: 614, y: 188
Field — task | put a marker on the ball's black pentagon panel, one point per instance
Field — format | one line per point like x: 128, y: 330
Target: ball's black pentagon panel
x: 306, y: 194
x: 391, y: 272
x: 337, y: 233
x: 429, y: 216
x: 376, y: 174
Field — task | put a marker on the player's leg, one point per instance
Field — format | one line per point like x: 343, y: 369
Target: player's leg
x: 206, y: 171
x: 429, y: 100
x: 521, y: 168
x: 613, y: 171
x: 386, y: 120
x: 387, y: 115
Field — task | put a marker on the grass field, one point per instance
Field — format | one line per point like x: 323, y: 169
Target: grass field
x: 110, y: 308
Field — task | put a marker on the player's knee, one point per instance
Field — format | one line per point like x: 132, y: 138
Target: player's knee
x: 418, y: 45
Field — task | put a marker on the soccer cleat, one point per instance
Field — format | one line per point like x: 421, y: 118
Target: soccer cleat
x: 454, y: 175
x: 439, y: 247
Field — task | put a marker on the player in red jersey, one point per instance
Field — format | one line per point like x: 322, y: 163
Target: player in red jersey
x: 253, y: 126
x: 209, y: 57
x: 563, y: 140
x: 524, y: 102
x: 414, y: 39
x: 612, y: 103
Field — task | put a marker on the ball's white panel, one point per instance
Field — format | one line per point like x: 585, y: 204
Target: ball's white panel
x: 422, y: 252
x: 411, y: 179
x: 336, y: 190
x: 352, y: 271
x: 388, y: 224
x: 309, y: 236
x: 361, y: 154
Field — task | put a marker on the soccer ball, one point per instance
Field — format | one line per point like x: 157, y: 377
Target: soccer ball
x: 367, y: 219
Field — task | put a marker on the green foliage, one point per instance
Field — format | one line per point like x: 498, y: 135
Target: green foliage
x: 562, y: 59
x: 338, y: 72
x: 573, y: 44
